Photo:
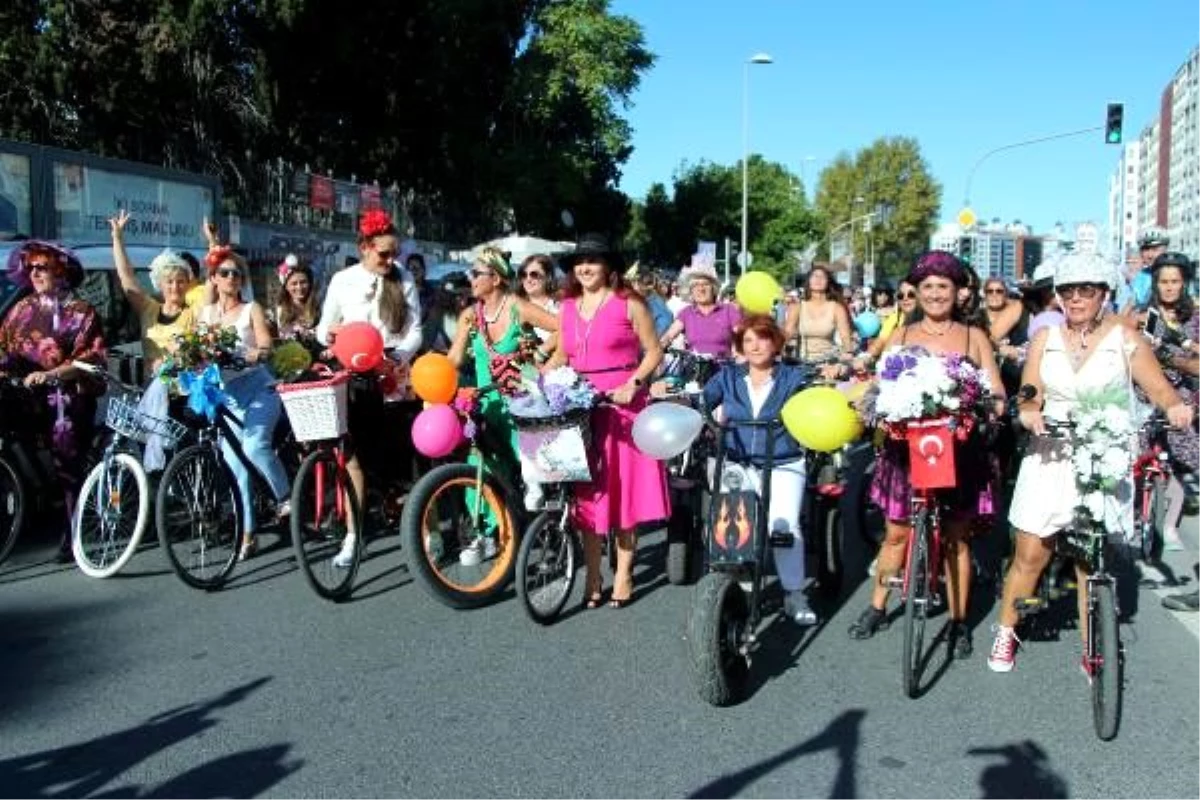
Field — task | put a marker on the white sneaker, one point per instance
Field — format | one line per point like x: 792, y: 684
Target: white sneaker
x: 1004, y: 650
x: 533, y: 497
x: 478, y: 551
x: 345, y: 556
x: 1171, y: 540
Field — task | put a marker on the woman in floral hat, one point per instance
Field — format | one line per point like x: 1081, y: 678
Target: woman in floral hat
x: 708, y: 323
x: 41, y: 338
x: 937, y: 328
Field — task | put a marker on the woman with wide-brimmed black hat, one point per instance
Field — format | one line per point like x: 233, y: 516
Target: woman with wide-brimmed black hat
x: 41, y: 338
x: 606, y: 334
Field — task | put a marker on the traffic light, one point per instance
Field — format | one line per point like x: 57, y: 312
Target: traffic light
x: 1112, y: 125
x: 965, y: 248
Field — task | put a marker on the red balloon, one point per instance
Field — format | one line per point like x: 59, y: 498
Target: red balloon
x: 358, y: 346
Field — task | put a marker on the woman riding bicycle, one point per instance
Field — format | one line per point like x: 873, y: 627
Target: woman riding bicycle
x: 707, y: 323
x: 756, y: 389
x: 1089, y: 357
x: 250, y: 391
x: 820, y: 321
x: 40, y: 339
x: 607, y: 336
x: 377, y: 291
x: 498, y: 329
x: 936, y: 327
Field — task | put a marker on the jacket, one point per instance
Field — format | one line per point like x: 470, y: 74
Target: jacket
x: 749, y: 444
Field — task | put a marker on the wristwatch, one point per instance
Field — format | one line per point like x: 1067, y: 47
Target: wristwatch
x: 636, y: 381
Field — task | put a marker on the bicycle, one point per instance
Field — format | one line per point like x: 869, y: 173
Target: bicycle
x: 456, y: 506
x: 1086, y: 543
x: 198, y: 507
x: 114, y: 500
x: 1152, y: 475
x: 326, y: 514
x: 27, y: 474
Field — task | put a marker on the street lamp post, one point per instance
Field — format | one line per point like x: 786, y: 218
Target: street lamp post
x: 757, y: 58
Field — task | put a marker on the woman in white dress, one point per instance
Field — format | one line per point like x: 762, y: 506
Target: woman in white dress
x: 1088, y: 356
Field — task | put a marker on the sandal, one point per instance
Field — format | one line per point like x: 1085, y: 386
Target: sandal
x: 614, y: 602
x: 249, y: 550
x: 593, y: 601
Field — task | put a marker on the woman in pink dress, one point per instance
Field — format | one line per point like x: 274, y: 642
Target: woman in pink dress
x: 607, y: 336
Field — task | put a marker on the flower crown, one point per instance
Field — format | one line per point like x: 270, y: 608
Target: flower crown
x: 375, y: 222
x: 286, y: 266
x: 217, y: 256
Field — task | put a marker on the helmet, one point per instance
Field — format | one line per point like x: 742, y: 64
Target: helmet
x: 1153, y: 236
x: 1043, y: 274
x: 1175, y: 259
x: 1085, y: 268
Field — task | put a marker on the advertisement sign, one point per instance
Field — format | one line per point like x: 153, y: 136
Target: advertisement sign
x: 321, y: 193
x: 15, y: 206
x: 165, y: 213
x: 369, y: 198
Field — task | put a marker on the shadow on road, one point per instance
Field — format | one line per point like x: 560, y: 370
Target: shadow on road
x: 1024, y: 772
x: 841, y: 735
x: 86, y: 769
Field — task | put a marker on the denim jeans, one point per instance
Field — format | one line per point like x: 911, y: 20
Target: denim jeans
x: 254, y: 402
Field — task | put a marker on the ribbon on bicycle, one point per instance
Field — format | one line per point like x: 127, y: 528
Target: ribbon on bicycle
x: 204, y: 391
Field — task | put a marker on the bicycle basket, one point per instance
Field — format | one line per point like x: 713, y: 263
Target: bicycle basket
x: 317, y: 409
x: 554, y: 449
x: 124, y: 417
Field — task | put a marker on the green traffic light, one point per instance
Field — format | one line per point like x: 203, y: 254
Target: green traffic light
x: 1114, y: 137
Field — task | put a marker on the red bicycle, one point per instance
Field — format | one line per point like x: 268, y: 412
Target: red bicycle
x: 1152, y: 475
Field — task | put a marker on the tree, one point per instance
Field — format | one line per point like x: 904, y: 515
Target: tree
x: 890, y: 179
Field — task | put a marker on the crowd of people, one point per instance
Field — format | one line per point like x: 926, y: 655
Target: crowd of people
x: 1075, y: 326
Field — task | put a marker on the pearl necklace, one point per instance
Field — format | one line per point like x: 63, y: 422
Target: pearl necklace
x: 491, y: 319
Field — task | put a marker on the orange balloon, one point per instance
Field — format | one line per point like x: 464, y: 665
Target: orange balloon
x: 434, y: 378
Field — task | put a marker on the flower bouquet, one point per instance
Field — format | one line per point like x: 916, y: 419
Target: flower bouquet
x: 1102, y: 457
x: 552, y: 417
x: 930, y: 400
x: 200, y: 347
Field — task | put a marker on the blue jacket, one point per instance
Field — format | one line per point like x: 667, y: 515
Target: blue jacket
x: 730, y: 389
x: 660, y: 313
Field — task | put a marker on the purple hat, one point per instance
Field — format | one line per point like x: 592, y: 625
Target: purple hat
x: 939, y: 263
x: 18, y: 272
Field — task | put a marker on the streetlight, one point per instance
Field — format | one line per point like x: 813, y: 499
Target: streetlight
x: 757, y: 58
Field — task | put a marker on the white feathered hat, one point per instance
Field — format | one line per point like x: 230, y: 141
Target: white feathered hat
x: 1085, y: 268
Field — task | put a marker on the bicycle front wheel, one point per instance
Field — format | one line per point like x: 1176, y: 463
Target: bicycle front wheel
x: 199, y: 516
x: 325, y: 521
x: 460, y: 536
x: 12, y: 507
x: 916, y: 603
x: 1106, y: 661
x: 546, y: 567
x: 111, y: 516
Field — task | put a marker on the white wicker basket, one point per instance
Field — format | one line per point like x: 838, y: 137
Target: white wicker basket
x: 317, y: 409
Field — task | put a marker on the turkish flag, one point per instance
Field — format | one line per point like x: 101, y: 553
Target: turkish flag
x: 931, y: 455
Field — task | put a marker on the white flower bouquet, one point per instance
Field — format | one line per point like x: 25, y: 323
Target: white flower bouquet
x: 915, y: 384
x: 1102, y: 456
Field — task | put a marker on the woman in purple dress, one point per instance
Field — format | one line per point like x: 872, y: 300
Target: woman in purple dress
x: 41, y: 339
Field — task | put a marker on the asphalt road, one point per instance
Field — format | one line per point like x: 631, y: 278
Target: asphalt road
x: 138, y: 686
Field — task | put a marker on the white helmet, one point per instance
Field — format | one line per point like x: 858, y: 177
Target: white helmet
x: 1153, y: 236
x: 1085, y: 268
x: 1043, y: 274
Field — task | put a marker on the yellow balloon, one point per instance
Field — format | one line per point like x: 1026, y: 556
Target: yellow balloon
x: 757, y: 292
x: 821, y: 419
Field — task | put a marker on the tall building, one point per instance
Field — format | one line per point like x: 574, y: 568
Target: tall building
x: 1157, y: 180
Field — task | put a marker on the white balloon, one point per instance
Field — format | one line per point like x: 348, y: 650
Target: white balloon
x: 664, y: 430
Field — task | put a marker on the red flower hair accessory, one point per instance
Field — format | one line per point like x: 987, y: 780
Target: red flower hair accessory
x: 217, y: 256
x: 375, y: 222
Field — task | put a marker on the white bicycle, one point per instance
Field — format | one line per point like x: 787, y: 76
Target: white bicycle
x: 114, y: 502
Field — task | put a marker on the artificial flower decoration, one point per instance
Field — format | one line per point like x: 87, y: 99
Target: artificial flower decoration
x: 375, y: 222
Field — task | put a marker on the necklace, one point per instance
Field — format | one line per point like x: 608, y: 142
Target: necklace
x: 928, y: 327
x: 1083, y: 334
x: 491, y: 319
x: 227, y: 310
x: 582, y: 341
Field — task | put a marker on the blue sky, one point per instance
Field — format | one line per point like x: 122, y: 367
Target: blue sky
x: 960, y: 77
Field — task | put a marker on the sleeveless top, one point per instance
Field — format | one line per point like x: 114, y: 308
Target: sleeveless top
x: 211, y: 315
x: 816, y: 335
x: 158, y: 332
x: 497, y: 362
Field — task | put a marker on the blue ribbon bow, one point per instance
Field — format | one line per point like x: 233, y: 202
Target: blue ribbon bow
x: 204, y: 391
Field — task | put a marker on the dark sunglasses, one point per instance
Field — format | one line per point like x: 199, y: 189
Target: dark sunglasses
x: 386, y: 255
x: 45, y: 266
x: 230, y: 273
x: 1085, y: 290
x: 481, y: 273
x: 909, y: 295
x: 994, y: 290
x: 537, y: 276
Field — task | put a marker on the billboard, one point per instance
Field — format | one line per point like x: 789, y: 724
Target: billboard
x: 165, y: 213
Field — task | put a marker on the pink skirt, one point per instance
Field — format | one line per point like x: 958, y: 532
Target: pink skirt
x: 627, y: 488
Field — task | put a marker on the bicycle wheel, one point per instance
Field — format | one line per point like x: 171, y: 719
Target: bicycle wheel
x: 199, y: 515
x: 916, y: 604
x: 716, y: 629
x: 1107, y: 658
x: 324, y: 511
x: 12, y: 507
x: 440, y: 523
x: 110, y: 516
x: 546, y: 567
x: 829, y: 560
x: 683, y: 539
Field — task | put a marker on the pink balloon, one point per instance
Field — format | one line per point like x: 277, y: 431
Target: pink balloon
x: 437, y: 431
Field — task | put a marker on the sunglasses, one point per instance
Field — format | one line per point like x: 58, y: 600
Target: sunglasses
x: 230, y: 273
x: 993, y: 290
x: 44, y: 266
x: 1085, y: 290
x: 536, y: 276
x: 909, y: 295
x: 482, y: 273
x: 386, y: 255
